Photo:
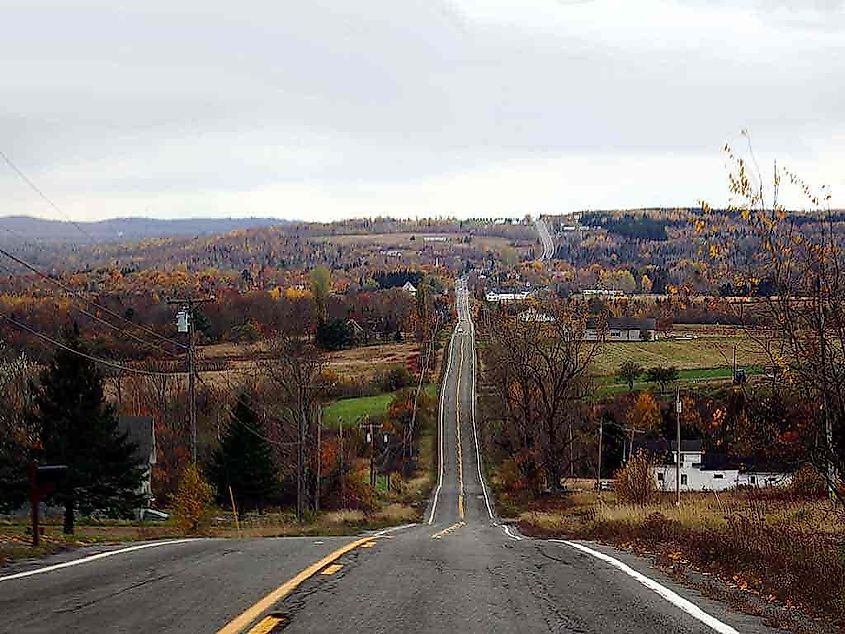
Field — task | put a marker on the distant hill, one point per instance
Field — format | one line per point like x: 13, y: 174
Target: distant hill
x: 122, y: 229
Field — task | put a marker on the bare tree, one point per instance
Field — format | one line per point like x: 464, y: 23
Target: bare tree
x: 540, y: 362
x: 800, y: 257
x: 295, y: 369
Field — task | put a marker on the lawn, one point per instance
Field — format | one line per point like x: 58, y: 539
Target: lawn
x: 351, y: 409
x: 614, y: 385
x: 693, y: 354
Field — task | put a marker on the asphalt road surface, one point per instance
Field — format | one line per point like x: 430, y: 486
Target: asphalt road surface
x: 458, y: 571
x: 545, y: 238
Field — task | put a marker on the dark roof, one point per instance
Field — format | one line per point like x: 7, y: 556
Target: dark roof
x: 661, y: 446
x: 629, y: 323
x: 140, y: 431
x: 687, y: 445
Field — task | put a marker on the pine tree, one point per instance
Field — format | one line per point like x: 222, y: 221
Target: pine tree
x: 77, y: 428
x: 244, y: 461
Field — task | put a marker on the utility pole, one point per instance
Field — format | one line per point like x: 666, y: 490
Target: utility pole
x: 342, y: 475
x: 319, y: 456
x: 678, y: 454
x: 185, y: 323
x: 828, y: 429
x: 601, y: 435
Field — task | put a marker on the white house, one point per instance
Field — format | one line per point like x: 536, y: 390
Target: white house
x: 623, y: 329
x: 708, y: 472
x: 499, y: 297
x: 409, y: 288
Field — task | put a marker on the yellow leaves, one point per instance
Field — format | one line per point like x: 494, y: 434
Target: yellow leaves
x: 714, y: 251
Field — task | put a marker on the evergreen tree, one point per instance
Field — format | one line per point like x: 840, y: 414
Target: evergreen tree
x: 244, y: 461
x: 77, y: 428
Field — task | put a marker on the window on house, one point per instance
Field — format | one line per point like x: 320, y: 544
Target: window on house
x: 683, y: 479
x: 660, y: 477
x: 718, y: 476
x: 753, y: 479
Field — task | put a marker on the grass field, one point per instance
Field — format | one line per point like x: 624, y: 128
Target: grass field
x: 350, y: 409
x: 693, y: 354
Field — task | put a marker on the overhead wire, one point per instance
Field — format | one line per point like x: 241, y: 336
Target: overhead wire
x: 90, y: 357
x: 90, y: 302
x: 246, y: 425
x: 44, y: 196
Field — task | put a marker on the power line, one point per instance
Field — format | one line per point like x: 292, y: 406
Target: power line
x: 78, y: 295
x: 59, y: 344
x: 249, y: 428
x: 122, y: 331
x: 44, y: 196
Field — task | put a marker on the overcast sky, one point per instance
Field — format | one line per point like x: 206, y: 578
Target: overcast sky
x: 327, y: 109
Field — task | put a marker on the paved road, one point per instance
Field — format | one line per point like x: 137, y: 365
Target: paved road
x: 545, y: 238
x: 458, y: 571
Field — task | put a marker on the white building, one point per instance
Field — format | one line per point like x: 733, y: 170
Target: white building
x: 623, y: 329
x: 409, y: 288
x: 498, y: 297
x: 698, y: 473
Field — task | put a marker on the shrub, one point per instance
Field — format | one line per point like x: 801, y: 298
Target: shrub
x: 635, y: 482
x: 807, y: 482
x: 394, y: 378
x: 192, y: 502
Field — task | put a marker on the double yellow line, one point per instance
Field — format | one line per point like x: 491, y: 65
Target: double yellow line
x: 241, y: 622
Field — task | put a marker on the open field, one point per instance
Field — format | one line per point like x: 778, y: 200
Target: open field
x: 350, y: 409
x: 365, y: 362
x: 692, y: 354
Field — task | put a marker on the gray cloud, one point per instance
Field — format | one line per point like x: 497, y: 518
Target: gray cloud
x: 174, y: 98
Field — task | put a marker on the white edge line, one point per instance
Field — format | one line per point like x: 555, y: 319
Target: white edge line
x: 89, y: 559
x: 672, y: 597
x: 393, y: 529
x: 440, y: 429
x: 507, y: 531
x: 474, y: 428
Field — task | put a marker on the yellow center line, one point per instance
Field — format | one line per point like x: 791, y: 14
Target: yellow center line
x: 448, y: 530
x: 331, y: 569
x: 266, y: 625
x: 240, y: 623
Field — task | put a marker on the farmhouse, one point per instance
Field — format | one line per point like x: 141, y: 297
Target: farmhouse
x: 623, y: 329
x: 701, y: 471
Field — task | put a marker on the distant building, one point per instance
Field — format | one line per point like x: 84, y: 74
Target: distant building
x: 536, y: 316
x: 701, y: 471
x: 435, y: 238
x: 623, y: 329
x: 140, y: 431
x: 393, y: 253
x: 507, y: 297
x: 602, y: 292
x: 409, y: 288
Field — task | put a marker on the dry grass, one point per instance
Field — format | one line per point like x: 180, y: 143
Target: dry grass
x: 15, y: 538
x: 769, y: 542
x: 704, y: 352
x: 365, y: 362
